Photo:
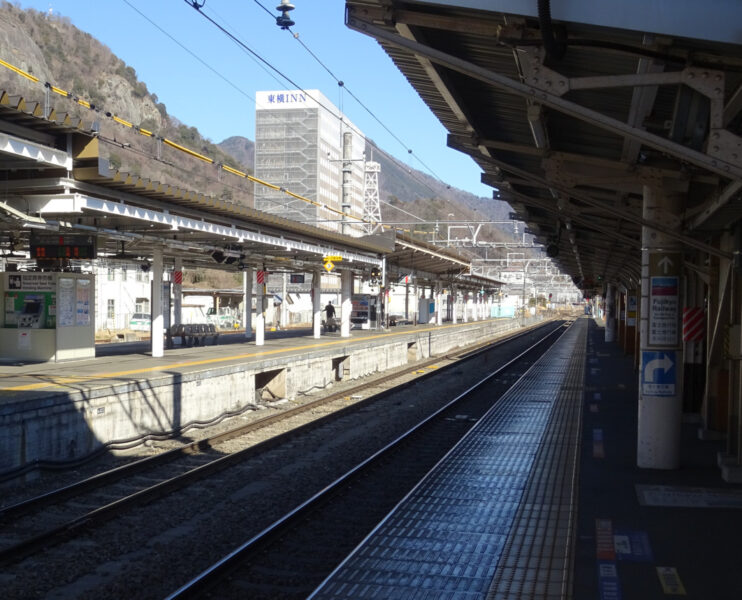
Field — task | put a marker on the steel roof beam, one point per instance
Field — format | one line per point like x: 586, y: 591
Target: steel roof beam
x: 31, y: 151
x: 712, y: 163
x: 76, y: 203
x: 642, y: 101
x: 621, y: 215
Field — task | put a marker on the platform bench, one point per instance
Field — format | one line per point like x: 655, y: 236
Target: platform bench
x: 195, y: 334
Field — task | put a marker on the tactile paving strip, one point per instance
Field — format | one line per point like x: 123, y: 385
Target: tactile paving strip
x: 503, y: 495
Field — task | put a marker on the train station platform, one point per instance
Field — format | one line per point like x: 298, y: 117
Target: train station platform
x: 60, y: 412
x: 543, y: 500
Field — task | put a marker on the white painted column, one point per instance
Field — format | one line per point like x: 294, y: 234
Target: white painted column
x: 260, y: 314
x: 157, y: 340
x: 465, y: 303
x: 284, y: 319
x: 416, y: 303
x: 382, y: 308
x: 661, y: 358
x: 317, y: 304
x: 406, y: 299
x: 247, y: 277
x: 385, y: 300
x: 438, y: 305
x: 455, y: 304
x: 178, y: 291
x: 346, y: 287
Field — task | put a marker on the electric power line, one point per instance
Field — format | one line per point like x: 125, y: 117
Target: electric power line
x: 340, y: 83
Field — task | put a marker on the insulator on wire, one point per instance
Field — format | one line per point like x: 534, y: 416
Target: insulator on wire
x: 284, y: 21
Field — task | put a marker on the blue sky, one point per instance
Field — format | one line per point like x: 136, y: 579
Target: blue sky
x: 221, y: 105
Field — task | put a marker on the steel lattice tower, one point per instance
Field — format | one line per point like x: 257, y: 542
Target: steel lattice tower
x: 371, y: 206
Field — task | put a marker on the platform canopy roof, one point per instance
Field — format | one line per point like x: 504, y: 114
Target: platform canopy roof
x: 57, y: 182
x: 573, y: 111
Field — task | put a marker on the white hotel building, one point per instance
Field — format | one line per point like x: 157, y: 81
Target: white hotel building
x: 299, y: 146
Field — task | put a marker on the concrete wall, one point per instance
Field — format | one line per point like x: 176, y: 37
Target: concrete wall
x: 66, y: 425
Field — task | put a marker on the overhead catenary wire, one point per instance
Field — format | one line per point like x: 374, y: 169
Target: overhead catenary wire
x: 267, y: 63
x: 189, y: 51
x: 263, y: 62
x: 343, y: 86
x: 171, y: 143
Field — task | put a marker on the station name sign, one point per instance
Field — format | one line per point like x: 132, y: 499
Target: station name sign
x: 287, y: 98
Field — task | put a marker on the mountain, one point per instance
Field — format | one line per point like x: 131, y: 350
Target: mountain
x: 241, y: 148
x: 50, y: 48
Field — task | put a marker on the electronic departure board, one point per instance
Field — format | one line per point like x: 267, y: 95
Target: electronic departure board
x: 58, y: 246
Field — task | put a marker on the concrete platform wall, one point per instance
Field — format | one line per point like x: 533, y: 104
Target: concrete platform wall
x: 61, y: 426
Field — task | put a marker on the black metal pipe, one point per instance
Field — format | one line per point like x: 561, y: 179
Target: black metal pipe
x: 554, y: 49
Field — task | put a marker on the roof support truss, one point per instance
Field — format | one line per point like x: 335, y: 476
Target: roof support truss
x: 76, y: 203
x: 716, y: 163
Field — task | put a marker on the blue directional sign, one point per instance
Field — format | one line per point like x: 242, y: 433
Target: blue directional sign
x: 659, y: 373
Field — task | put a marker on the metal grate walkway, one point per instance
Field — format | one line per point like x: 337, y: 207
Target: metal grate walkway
x: 495, y: 518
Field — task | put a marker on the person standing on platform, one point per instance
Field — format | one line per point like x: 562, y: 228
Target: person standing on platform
x: 330, y: 311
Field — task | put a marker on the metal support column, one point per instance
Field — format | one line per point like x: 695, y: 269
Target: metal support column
x: 660, y: 371
x: 610, y: 313
x: 157, y: 320
x: 346, y: 288
x: 416, y: 303
x: 284, y: 318
x: 716, y: 393
x: 317, y: 304
x: 438, y: 304
x: 260, y: 314
x: 406, y: 299
x: 178, y: 291
x: 247, y: 277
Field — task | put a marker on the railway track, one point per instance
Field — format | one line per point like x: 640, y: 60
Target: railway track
x: 292, y: 556
x: 40, y: 523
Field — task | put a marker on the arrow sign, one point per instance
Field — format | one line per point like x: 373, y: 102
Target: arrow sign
x: 664, y: 363
x: 658, y: 373
x: 665, y: 263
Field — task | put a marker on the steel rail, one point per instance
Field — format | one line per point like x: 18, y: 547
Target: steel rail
x: 209, y: 578
x: 16, y: 552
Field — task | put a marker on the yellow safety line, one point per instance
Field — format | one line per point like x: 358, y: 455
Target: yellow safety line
x: 207, y: 361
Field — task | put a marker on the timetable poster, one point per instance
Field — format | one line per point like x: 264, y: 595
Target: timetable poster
x: 83, y: 302
x: 66, y: 302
